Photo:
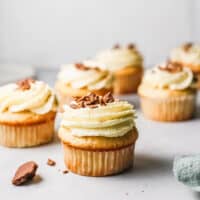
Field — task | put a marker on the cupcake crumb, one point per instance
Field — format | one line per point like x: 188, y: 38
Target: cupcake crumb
x: 51, y: 162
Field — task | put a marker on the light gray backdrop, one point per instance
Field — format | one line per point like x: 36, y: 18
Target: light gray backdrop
x: 50, y: 32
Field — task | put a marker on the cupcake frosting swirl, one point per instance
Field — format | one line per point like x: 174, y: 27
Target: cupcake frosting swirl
x: 107, y: 118
x: 169, y: 76
x: 120, y: 57
x: 188, y: 54
x: 89, y: 74
x: 27, y: 95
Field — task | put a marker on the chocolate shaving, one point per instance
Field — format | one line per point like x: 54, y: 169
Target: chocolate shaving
x: 91, y: 101
x: 83, y: 67
x: 25, y: 84
x: 186, y: 47
x: 171, y: 67
x: 51, y: 162
x: 131, y: 46
x: 25, y: 173
x: 116, y: 46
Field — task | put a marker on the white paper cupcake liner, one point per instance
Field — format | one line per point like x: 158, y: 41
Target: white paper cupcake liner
x: 98, y: 163
x: 169, y: 109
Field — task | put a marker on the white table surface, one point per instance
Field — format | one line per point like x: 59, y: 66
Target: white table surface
x: 151, y: 177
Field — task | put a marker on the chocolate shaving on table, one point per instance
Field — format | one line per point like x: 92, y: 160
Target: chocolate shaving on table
x: 65, y: 171
x: 84, y: 67
x: 51, y: 162
x: 91, y: 101
x: 25, y: 84
x: 171, y: 67
x: 25, y: 173
x: 186, y: 47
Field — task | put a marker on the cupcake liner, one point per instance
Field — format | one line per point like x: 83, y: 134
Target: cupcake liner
x: 127, y: 83
x: 98, y: 163
x: 197, y: 83
x: 169, y: 109
x: 26, y: 135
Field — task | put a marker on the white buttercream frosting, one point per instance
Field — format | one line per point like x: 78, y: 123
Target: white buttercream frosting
x: 118, y: 58
x: 159, y: 78
x: 191, y: 55
x: 39, y: 98
x: 95, y: 78
x: 111, y: 120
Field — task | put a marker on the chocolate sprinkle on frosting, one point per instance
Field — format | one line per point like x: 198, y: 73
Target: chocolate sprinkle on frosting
x: 131, y: 46
x: 116, y: 46
x: 91, y: 101
x: 186, y: 47
x: 25, y: 84
x: 83, y: 67
x: 171, y: 67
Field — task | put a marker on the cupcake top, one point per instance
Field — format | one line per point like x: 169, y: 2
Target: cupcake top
x: 27, y: 95
x: 88, y: 74
x: 94, y: 115
x: 120, y: 57
x: 168, y: 76
x: 188, y: 54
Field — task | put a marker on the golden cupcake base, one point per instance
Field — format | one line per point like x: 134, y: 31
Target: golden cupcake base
x: 127, y: 80
x: 98, y: 163
x: 169, y: 109
x: 26, y: 135
x: 98, y: 156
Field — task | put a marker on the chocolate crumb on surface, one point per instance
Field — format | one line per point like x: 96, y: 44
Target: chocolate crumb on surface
x: 186, y: 47
x: 171, y: 67
x: 91, y: 101
x: 65, y: 171
x: 25, y: 173
x: 51, y: 162
x: 25, y: 84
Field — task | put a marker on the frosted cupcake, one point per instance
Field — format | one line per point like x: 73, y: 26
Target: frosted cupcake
x: 80, y: 78
x: 127, y: 65
x: 98, y: 135
x: 166, y: 93
x: 188, y: 55
x: 27, y: 113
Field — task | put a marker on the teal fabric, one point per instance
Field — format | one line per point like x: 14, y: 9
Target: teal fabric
x: 187, y: 170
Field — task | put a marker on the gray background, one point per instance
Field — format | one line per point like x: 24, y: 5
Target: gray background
x: 50, y: 32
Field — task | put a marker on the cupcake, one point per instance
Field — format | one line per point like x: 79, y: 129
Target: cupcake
x: 98, y: 134
x: 127, y: 65
x: 188, y: 55
x: 166, y: 93
x: 81, y: 78
x: 27, y: 113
